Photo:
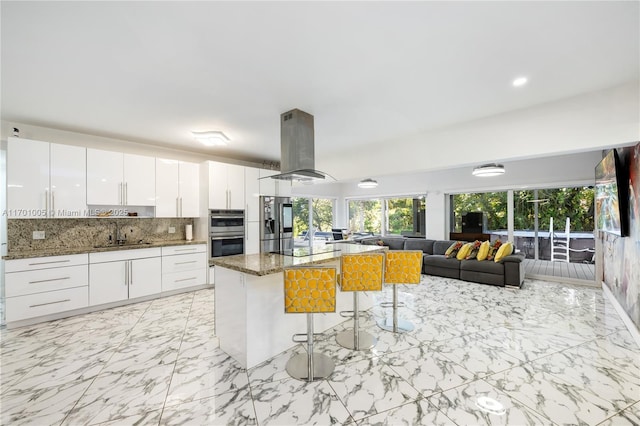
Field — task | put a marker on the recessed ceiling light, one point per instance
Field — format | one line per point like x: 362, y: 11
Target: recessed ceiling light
x: 211, y: 138
x: 520, y: 81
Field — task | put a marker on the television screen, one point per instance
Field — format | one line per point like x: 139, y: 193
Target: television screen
x: 611, y: 200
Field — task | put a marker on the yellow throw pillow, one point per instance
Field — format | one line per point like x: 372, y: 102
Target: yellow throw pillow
x: 484, y: 250
x: 505, y: 250
x: 464, y: 251
x: 453, y: 250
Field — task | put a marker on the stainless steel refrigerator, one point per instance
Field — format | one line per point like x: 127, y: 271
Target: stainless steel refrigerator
x: 276, y: 225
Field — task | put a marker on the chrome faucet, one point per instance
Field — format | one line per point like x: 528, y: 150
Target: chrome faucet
x: 119, y: 240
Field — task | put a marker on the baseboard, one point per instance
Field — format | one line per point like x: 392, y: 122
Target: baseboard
x: 623, y: 315
x: 564, y: 280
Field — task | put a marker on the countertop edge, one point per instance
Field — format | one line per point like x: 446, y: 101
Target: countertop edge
x: 27, y: 254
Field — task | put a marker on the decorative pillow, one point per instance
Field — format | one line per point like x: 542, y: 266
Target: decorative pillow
x: 380, y: 243
x: 453, y: 249
x: 474, y: 250
x: 505, y: 250
x: 483, y: 252
x: 464, y: 251
x: 493, y: 249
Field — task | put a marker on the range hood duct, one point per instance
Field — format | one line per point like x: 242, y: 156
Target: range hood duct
x: 297, y: 148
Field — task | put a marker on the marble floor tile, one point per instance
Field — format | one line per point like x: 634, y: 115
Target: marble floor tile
x: 553, y: 397
x: 414, y: 413
x: 479, y: 403
x: 273, y: 370
x: 114, y: 396
x: 41, y: 406
x: 427, y: 371
x: 143, y: 354
x: 232, y: 408
x: 369, y: 387
x: 474, y: 355
x: 150, y: 418
x: 295, y: 402
x: 627, y: 417
x: 200, y: 378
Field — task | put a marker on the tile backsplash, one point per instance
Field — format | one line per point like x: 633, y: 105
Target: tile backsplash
x: 79, y: 233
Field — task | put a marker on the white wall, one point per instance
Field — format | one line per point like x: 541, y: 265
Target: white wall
x: 587, y: 122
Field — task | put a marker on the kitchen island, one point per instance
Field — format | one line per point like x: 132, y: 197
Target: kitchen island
x: 249, y: 302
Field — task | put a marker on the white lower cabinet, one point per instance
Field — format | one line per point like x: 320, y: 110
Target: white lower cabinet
x: 184, y: 266
x: 122, y: 275
x: 45, y: 286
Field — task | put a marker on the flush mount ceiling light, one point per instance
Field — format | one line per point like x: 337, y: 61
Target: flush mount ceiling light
x: 367, y: 183
x: 488, y: 170
x: 211, y: 138
x: 520, y: 81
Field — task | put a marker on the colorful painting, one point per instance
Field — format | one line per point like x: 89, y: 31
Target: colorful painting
x: 607, y: 202
x: 622, y: 255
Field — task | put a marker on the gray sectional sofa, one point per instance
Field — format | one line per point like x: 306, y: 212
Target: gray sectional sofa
x: 509, y: 272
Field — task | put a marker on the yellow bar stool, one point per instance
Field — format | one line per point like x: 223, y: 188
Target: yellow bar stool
x: 309, y: 290
x: 401, y: 267
x: 359, y: 272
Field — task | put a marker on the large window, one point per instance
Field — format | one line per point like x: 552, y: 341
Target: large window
x: 365, y: 216
x: 397, y: 216
x: 492, y: 205
x: 320, y: 210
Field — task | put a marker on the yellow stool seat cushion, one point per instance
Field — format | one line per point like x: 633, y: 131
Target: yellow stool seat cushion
x: 403, y: 267
x: 309, y: 290
x: 361, y: 272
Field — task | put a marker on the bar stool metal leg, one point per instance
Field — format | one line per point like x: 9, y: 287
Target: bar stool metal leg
x: 395, y: 324
x: 356, y: 339
x: 310, y: 366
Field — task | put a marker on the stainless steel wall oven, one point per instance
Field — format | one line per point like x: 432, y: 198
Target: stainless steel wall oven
x: 226, y: 232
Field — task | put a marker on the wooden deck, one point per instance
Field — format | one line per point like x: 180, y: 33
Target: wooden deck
x: 569, y: 271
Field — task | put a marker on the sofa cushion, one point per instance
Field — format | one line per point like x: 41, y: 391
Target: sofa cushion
x: 419, y: 244
x: 464, y: 251
x: 440, y: 247
x: 394, y: 243
x: 486, y: 267
x: 441, y: 262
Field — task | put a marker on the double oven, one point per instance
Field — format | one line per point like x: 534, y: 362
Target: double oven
x: 226, y: 232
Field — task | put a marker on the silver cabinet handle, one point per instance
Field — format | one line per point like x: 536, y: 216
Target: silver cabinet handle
x: 53, y: 204
x: 185, y: 279
x: 186, y: 249
x: 50, y: 303
x: 46, y: 202
x: 126, y: 193
x: 126, y: 272
x: 49, y: 280
x: 186, y: 263
x: 130, y: 272
x: 180, y: 206
x: 120, y: 193
x: 50, y: 262
x: 177, y: 206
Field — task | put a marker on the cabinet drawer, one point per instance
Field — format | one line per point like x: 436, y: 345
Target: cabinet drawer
x: 36, y: 305
x: 124, y: 254
x: 184, y: 262
x: 194, y: 248
x: 176, y: 280
x: 45, y: 262
x: 39, y: 281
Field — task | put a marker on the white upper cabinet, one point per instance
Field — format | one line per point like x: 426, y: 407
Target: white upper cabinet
x: 251, y: 193
x: 226, y: 186
x: 45, y: 179
x: 114, y: 178
x: 177, y: 188
x: 139, y: 177
x: 189, y: 185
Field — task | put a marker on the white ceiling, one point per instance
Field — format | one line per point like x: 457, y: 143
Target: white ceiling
x: 368, y: 71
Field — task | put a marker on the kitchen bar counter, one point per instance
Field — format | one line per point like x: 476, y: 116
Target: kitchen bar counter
x: 249, y: 303
x: 271, y: 263
x: 27, y: 254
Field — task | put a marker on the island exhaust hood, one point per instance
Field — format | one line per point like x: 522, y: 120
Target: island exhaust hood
x: 297, y: 148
